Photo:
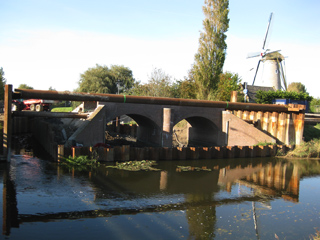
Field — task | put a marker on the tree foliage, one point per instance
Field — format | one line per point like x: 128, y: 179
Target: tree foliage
x: 315, y: 105
x: 187, y: 89
x: 2, y: 83
x: 159, y: 85
x: 102, y: 79
x: 297, y: 87
x: 212, y: 48
x: 228, y: 82
x: 24, y: 86
x: 268, y: 96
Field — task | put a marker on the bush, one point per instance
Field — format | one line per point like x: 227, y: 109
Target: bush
x: 309, y: 149
x: 314, y: 105
x: 266, y: 97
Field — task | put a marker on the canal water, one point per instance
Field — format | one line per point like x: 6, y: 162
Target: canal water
x: 214, y: 199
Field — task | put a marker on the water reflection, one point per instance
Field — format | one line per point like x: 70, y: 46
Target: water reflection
x: 36, y: 191
x: 10, y: 211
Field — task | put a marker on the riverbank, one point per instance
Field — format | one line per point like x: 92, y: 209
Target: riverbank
x: 310, y: 148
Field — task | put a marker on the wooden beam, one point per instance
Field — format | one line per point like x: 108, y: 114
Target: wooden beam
x: 7, y: 122
x: 50, y: 114
x: 103, y: 97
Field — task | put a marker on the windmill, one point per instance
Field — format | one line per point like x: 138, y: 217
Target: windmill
x: 272, y: 62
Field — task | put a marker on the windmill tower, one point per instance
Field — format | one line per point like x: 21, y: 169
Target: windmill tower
x: 272, y: 62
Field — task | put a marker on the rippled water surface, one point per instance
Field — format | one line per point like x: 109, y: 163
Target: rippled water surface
x: 232, y: 199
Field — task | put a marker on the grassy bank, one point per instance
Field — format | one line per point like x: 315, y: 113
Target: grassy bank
x: 311, y: 146
x: 311, y: 132
x: 62, y: 109
x: 309, y: 149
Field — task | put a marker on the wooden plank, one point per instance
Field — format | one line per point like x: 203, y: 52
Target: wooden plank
x: 281, y: 129
x: 274, y: 123
x: 298, y: 128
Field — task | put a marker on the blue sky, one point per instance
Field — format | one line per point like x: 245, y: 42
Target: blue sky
x: 47, y: 43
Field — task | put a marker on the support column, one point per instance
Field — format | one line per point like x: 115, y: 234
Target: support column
x: 167, y: 127
x: 298, y: 127
x: 274, y: 124
x: 281, y: 129
x: 7, y: 123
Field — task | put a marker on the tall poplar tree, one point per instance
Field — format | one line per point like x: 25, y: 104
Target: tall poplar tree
x: 212, y: 48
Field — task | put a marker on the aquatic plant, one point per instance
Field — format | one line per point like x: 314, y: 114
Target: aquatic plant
x: 81, y: 161
x: 315, y: 237
x: 143, y: 165
x: 190, y: 169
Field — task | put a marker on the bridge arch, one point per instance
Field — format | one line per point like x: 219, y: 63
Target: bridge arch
x: 148, y: 119
x: 199, y: 131
x: 148, y: 131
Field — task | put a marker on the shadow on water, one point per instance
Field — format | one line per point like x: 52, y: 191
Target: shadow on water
x: 210, y: 204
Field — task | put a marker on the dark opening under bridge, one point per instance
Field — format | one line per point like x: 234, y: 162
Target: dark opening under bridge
x: 212, y: 123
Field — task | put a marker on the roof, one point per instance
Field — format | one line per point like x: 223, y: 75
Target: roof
x: 252, y: 91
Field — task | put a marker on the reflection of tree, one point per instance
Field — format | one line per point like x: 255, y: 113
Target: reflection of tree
x: 201, y: 219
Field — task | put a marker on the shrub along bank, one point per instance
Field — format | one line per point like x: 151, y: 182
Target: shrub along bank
x: 310, y: 148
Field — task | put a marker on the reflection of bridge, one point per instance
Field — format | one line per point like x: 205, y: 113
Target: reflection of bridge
x: 276, y: 180
x: 212, y: 123
x: 272, y: 178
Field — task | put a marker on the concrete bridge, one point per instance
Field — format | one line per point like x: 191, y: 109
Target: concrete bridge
x: 155, y: 123
x: 207, y: 126
x: 210, y: 123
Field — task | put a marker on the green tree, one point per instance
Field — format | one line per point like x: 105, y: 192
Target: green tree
x: 187, y: 89
x: 102, y: 79
x: 212, y: 48
x: 2, y: 83
x: 24, y: 86
x: 228, y: 82
x: 297, y: 87
x: 315, y: 105
x: 159, y: 85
